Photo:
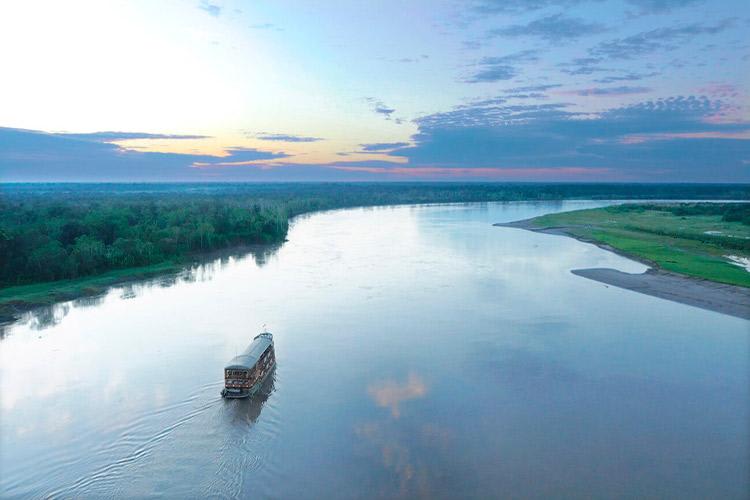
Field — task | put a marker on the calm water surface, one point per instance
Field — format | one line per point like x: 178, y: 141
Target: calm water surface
x: 421, y: 352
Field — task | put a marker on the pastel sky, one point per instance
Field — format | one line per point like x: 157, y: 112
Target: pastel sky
x: 506, y: 90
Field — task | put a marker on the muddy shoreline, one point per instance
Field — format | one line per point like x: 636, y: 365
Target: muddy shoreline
x: 713, y: 296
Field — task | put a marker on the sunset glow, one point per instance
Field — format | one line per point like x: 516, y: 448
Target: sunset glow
x: 590, y: 89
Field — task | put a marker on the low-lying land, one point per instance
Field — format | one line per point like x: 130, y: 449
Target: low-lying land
x: 688, y: 241
x: 60, y: 241
x: 18, y: 298
x: 711, y: 295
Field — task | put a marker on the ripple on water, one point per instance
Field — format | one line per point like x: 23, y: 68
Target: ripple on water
x: 136, y: 442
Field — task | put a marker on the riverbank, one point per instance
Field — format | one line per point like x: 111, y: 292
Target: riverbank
x: 719, y: 297
x: 16, y: 300
x: 61, y: 242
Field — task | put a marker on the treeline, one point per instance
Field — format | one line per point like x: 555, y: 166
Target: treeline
x: 50, y: 241
x: 59, y: 231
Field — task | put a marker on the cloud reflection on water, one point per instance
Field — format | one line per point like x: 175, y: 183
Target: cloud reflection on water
x: 204, y: 270
x: 390, y: 393
x: 414, y: 451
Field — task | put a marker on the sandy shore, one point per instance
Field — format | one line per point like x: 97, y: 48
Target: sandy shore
x: 718, y: 297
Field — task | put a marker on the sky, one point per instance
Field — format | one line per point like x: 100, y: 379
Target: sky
x: 277, y: 90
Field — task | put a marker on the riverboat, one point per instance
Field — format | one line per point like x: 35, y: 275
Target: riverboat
x: 245, y: 373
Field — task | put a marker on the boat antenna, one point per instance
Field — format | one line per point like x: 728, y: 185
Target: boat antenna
x: 265, y: 330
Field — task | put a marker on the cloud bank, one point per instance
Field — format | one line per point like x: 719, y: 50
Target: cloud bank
x: 675, y: 139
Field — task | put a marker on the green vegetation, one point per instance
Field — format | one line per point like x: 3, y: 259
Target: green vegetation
x: 688, y: 238
x: 59, y: 241
x: 48, y: 293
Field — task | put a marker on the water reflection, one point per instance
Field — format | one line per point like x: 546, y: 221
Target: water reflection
x: 89, y: 301
x: 47, y: 316
x: 414, y: 454
x: 390, y: 393
x: 463, y: 361
x: 246, y: 411
x: 201, y: 271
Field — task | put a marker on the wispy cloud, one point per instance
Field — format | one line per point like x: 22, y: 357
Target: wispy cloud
x: 518, y: 6
x: 721, y: 90
x: 382, y: 146
x: 422, y: 57
x: 627, y: 77
x: 532, y: 88
x: 210, y: 7
x: 489, y: 7
x: 555, y: 29
x: 609, y: 91
x: 483, y: 173
x: 122, y: 136
x: 263, y: 26
x: 382, y: 109
x: 582, y: 66
x: 493, y: 69
x: 655, y: 40
x: 286, y: 138
x: 661, y: 6
x: 238, y: 157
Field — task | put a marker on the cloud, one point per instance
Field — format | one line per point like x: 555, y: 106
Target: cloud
x: 382, y: 146
x: 518, y: 6
x: 211, y: 8
x: 676, y: 139
x: 265, y: 26
x: 493, y: 72
x: 489, y: 7
x: 524, y: 92
x: 555, y: 29
x: 391, y: 394
x: 238, y: 156
x: 724, y: 90
x: 610, y: 91
x: 287, y: 138
x: 382, y: 109
x: 122, y: 136
x: 627, y: 77
x: 478, y: 173
x: 660, y: 39
x: 582, y: 66
x: 492, y: 112
x: 530, y: 95
x: 421, y: 58
x: 27, y: 155
x: 532, y: 88
x: 493, y: 69
x: 661, y: 6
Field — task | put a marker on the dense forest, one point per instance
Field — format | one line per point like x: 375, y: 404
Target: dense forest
x: 59, y: 231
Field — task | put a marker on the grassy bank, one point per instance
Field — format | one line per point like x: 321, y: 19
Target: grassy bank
x: 694, y: 239
x: 16, y: 299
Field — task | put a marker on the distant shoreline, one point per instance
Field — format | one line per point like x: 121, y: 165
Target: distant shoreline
x: 718, y: 297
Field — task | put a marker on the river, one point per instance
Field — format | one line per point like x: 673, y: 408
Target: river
x: 421, y: 352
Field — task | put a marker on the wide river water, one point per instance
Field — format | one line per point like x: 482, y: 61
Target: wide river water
x: 421, y: 352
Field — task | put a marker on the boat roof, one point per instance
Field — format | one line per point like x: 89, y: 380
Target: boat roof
x: 252, y: 354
